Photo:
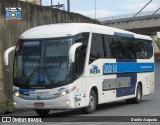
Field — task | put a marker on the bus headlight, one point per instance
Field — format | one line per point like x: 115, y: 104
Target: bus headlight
x: 65, y: 92
x: 16, y: 94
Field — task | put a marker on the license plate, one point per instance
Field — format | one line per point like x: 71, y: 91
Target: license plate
x: 38, y: 104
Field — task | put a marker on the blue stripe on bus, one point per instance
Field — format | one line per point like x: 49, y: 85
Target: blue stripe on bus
x: 124, y: 34
x: 124, y: 67
x: 29, y: 91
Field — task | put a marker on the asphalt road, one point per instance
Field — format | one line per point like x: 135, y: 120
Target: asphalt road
x: 150, y: 106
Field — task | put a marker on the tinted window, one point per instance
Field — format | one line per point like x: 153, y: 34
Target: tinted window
x: 97, y: 50
x: 120, y: 47
x: 106, y: 46
x: 130, y: 48
x: 127, y: 48
x: 143, y: 49
x: 109, y: 44
x: 80, y: 56
x: 149, y: 48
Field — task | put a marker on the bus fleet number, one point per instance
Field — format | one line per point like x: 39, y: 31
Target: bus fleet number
x: 109, y: 68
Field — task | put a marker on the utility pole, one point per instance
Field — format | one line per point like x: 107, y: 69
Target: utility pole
x: 51, y: 3
x: 95, y: 9
x: 68, y: 5
x: 41, y: 2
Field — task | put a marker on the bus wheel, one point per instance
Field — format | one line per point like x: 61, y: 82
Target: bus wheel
x: 42, y: 112
x: 92, y: 103
x: 129, y: 101
x: 138, y: 97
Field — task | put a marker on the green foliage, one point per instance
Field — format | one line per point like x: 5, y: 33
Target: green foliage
x: 6, y: 107
x: 95, y: 21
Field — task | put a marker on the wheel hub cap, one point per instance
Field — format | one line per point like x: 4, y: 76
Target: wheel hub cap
x: 91, y: 104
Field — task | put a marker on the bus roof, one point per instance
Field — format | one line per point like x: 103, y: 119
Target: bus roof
x: 70, y: 29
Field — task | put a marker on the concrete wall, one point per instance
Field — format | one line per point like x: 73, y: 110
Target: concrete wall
x: 32, y: 15
x: 154, y: 37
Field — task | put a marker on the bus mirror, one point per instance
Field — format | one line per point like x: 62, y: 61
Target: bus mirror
x: 6, y: 53
x: 72, y: 51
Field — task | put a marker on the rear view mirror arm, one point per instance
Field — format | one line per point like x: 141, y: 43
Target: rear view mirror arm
x: 6, y: 53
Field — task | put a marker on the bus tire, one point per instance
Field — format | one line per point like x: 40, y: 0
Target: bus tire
x: 42, y: 112
x: 92, y: 103
x: 138, y: 97
x: 129, y: 101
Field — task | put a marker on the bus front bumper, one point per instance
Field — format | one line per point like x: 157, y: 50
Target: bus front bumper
x: 64, y: 102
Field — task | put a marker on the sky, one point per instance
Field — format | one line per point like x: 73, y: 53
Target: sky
x: 106, y: 8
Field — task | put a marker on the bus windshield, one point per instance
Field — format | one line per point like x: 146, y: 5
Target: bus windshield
x: 43, y: 62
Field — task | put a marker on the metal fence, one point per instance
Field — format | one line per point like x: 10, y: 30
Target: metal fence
x: 127, y: 16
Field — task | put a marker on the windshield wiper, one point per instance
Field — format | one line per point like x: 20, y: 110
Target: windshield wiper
x: 35, y: 69
x: 27, y: 81
x: 47, y: 74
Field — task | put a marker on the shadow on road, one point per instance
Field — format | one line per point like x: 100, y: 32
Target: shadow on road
x: 101, y: 107
x: 77, y: 115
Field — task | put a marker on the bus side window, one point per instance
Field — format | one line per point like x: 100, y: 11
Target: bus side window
x: 109, y: 47
x: 139, y: 49
x: 78, y: 66
x: 149, y: 48
x: 120, y: 47
x: 130, y: 48
x: 80, y: 53
x: 97, y: 50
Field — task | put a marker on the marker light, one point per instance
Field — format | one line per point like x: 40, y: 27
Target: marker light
x: 18, y: 43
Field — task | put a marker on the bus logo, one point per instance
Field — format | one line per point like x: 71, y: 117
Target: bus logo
x: 94, y: 69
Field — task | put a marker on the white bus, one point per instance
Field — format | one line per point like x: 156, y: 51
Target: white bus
x: 79, y: 65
